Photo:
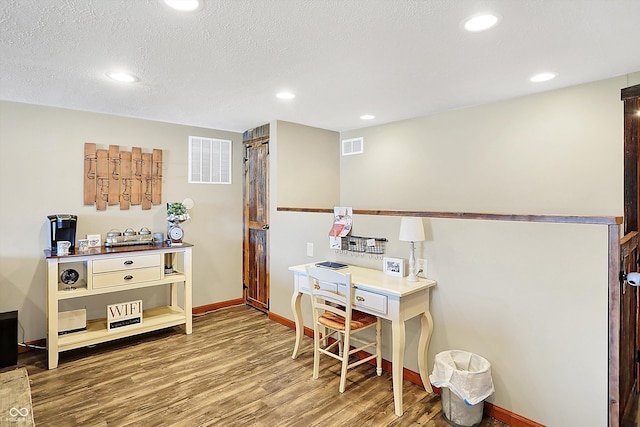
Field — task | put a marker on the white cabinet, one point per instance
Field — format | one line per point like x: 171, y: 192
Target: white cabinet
x: 108, y: 270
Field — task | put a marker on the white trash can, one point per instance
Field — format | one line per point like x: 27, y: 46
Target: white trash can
x: 465, y: 380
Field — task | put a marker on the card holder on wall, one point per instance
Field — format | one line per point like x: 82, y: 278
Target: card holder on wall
x: 363, y: 245
x: 125, y: 178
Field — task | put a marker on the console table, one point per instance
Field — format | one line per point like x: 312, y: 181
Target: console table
x: 107, y: 270
x: 388, y: 297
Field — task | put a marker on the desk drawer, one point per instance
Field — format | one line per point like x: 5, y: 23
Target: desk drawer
x: 126, y: 263
x: 121, y: 278
x: 303, y: 284
x: 370, y: 301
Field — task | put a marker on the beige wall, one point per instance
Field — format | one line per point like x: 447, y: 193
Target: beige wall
x: 557, y: 152
x: 531, y: 298
x: 308, y: 162
x: 41, y: 173
x: 304, y: 172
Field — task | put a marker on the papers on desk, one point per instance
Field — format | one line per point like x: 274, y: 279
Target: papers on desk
x: 331, y: 265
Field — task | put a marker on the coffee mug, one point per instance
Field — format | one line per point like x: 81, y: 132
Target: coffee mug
x: 63, y: 247
x: 83, y: 244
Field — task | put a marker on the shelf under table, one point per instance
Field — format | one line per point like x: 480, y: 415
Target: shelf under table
x: 96, y: 332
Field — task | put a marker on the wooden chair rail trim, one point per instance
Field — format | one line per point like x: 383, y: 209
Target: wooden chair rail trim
x: 564, y: 219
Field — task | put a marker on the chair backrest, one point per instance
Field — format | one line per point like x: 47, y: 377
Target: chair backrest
x: 331, y: 291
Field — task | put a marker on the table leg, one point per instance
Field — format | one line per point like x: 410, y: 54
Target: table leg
x: 188, y: 289
x: 426, y: 323
x: 297, y: 318
x: 397, y: 362
x: 173, y: 295
x: 52, y: 314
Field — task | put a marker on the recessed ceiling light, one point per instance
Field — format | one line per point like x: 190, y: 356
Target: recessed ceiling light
x: 285, y: 95
x: 543, y: 77
x: 481, y: 22
x: 122, y: 76
x: 183, y: 5
x: 367, y: 117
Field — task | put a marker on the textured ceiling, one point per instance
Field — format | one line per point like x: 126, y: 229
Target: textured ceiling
x: 221, y: 66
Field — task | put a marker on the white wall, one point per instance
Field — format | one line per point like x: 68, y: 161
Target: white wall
x: 41, y: 173
x: 530, y: 297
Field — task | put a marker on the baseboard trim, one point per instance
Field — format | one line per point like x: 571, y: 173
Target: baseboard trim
x: 508, y: 417
x: 203, y: 309
x: 500, y: 414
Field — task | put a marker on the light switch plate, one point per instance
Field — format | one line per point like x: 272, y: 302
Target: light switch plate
x: 309, y: 249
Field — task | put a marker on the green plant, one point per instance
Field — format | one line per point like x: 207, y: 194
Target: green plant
x: 176, y: 208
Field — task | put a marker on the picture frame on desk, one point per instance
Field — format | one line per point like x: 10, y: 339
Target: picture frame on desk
x: 94, y: 240
x: 393, y: 266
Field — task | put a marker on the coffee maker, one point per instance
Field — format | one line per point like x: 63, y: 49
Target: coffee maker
x: 62, y: 227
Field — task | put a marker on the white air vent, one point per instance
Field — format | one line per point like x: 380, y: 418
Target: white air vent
x: 352, y: 146
x: 209, y: 160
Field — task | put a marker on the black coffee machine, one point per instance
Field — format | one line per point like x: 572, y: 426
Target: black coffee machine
x: 62, y: 227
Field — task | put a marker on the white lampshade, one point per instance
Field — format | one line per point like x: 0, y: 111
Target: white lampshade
x: 411, y: 230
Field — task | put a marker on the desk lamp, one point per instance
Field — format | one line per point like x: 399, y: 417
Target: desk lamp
x: 411, y: 230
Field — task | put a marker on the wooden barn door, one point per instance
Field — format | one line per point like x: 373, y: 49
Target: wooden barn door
x: 628, y: 329
x: 629, y: 253
x: 256, y: 218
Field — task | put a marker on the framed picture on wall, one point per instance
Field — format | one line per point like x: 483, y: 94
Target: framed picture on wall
x: 393, y: 266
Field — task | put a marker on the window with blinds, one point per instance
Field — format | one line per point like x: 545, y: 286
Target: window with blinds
x: 209, y: 160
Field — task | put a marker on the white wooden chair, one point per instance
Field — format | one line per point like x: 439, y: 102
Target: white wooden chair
x: 332, y: 296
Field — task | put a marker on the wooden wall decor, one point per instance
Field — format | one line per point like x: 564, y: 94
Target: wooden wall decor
x: 90, y: 162
x: 136, y: 177
x: 114, y: 175
x: 146, y: 181
x: 125, y: 178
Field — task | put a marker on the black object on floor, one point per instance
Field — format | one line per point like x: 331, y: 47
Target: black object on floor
x: 8, y: 339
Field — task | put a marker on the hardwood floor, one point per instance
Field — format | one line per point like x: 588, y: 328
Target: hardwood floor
x: 234, y: 370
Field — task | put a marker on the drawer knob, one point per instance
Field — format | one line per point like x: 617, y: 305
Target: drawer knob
x: 128, y: 277
x: 128, y: 262
x: 359, y: 298
x: 316, y: 286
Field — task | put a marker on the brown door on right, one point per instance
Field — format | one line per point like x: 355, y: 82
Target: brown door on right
x: 630, y: 253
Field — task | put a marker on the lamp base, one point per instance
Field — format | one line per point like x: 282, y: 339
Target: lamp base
x: 412, y: 264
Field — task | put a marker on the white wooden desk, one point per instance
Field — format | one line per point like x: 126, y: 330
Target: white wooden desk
x: 391, y: 298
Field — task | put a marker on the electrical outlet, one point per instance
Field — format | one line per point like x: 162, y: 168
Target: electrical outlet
x: 421, y: 267
x: 309, y: 249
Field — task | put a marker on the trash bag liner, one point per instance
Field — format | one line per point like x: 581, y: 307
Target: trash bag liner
x: 465, y: 374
